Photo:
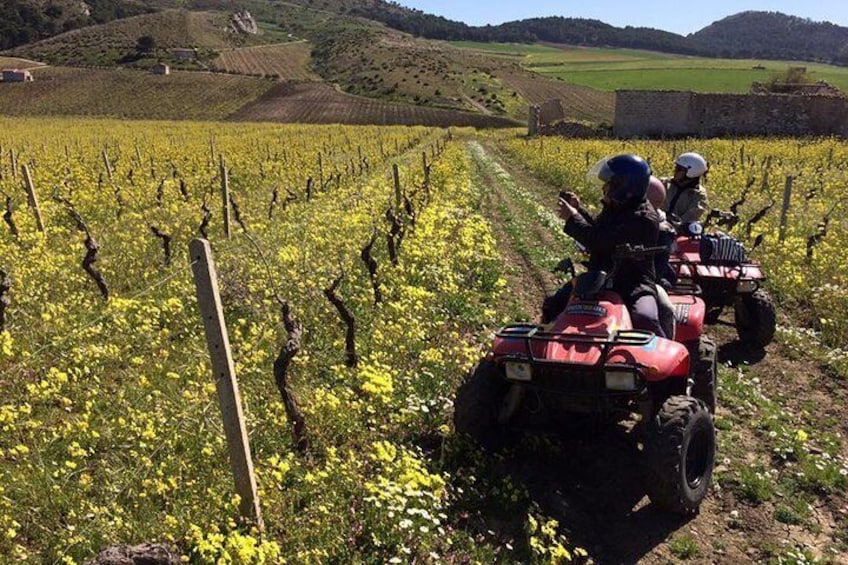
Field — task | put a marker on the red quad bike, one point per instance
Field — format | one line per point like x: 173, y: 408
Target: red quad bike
x: 720, y: 268
x: 590, y: 361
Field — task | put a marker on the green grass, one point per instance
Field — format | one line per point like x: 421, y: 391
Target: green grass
x: 516, y: 49
x: 684, y: 547
x: 612, y: 69
x: 712, y: 80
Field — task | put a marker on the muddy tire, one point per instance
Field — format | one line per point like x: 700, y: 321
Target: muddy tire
x: 681, y: 454
x: 755, y: 318
x: 705, y: 372
x: 478, y: 403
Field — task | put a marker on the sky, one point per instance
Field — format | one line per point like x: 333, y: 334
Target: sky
x: 676, y: 16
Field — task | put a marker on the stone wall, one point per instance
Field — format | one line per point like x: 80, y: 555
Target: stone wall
x: 647, y: 113
x: 640, y: 113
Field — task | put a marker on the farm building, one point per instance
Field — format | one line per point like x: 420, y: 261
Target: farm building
x: 182, y: 54
x: 16, y: 75
x: 161, y: 69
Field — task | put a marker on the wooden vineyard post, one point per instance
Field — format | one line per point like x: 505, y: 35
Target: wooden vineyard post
x: 787, y: 196
x: 225, y: 196
x: 32, y: 198
x: 14, y: 163
x: 107, y: 165
x: 223, y: 369
x: 396, y: 176
x: 426, y: 168
x: 320, y: 172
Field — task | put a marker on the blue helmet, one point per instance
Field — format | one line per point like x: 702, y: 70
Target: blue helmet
x: 627, y: 175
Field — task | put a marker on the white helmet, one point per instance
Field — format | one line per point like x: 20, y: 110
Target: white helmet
x: 694, y: 164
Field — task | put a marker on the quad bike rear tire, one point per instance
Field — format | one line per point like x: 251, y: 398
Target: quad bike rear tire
x: 705, y: 372
x: 755, y: 318
x: 681, y: 455
x: 479, y: 401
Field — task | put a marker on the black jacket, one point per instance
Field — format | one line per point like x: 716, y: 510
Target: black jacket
x: 636, y: 224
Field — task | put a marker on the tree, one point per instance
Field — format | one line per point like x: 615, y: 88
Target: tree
x: 145, y: 45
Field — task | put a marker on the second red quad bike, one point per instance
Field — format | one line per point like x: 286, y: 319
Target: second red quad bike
x: 590, y: 360
x: 719, y: 266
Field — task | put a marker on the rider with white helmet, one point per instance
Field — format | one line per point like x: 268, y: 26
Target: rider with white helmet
x: 686, y: 199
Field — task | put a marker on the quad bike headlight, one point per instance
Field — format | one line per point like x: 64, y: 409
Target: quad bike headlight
x: 621, y: 380
x: 747, y: 287
x: 518, y: 371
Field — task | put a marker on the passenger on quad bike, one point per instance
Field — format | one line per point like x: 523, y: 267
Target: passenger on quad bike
x: 666, y: 276
x: 686, y: 199
x: 626, y: 218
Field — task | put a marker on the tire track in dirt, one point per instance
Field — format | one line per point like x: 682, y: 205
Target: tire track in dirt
x: 529, y: 282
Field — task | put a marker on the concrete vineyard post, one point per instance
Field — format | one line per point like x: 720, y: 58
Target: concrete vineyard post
x: 225, y: 196
x: 107, y: 166
x: 396, y: 177
x: 223, y: 369
x: 787, y: 197
x: 32, y: 198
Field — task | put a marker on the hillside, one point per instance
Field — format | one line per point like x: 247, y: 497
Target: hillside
x: 25, y: 21
x: 133, y: 94
x: 773, y: 35
x: 767, y: 35
x: 118, y: 41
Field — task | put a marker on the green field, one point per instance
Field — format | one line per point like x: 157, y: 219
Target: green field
x: 612, y: 69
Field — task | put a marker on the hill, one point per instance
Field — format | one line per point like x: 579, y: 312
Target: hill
x: 772, y: 35
x: 126, y: 93
x: 361, y: 56
x: 24, y: 21
x: 767, y: 35
x: 118, y: 41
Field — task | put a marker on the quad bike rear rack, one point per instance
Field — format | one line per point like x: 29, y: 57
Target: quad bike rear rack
x: 580, y: 380
x: 533, y: 332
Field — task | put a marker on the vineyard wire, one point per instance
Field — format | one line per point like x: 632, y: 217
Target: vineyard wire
x: 57, y: 340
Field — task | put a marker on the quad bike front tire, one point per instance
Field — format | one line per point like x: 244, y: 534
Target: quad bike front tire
x: 705, y: 372
x: 755, y: 318
x: 681, y: 455
x: 478, y: 404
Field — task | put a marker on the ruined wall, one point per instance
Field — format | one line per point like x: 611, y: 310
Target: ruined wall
x: 647, y: 113
x: 663, y: 113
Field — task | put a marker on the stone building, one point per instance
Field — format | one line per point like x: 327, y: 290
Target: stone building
x: 16, y: 75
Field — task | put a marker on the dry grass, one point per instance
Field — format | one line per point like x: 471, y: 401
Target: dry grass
x: 16, y: 63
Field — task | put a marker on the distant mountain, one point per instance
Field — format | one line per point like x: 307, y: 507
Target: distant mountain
x: 765, y: 35
x: 772, y: 35
x: 577, y: 31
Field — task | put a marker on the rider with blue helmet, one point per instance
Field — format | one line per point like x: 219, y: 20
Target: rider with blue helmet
x: 626, y: 218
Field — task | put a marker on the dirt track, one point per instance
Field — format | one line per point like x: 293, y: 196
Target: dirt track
x: 593, y: 487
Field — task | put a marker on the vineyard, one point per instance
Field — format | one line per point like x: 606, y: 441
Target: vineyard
x: 129, y: 93
x: 287, y: 61
x: 356, y: 304
x: 321, y: 103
